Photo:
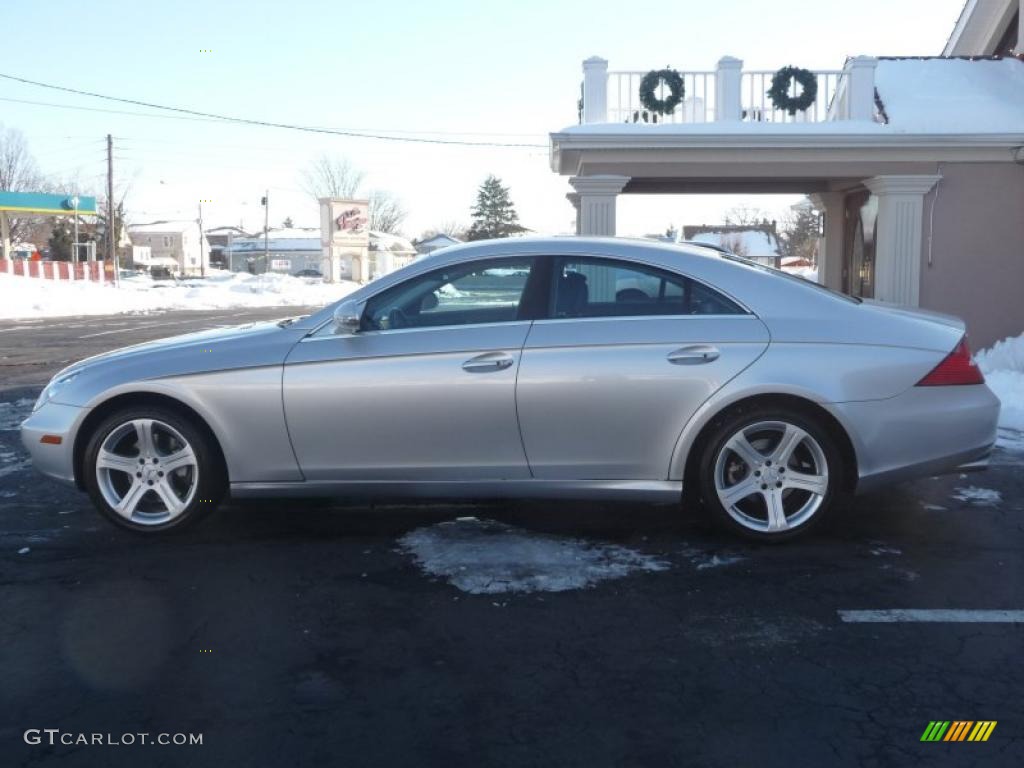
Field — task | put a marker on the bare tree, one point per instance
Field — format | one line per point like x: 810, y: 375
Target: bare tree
x: 18, y: 172
x: 450, y: 227
x: 386, y: 212
x: 746, y: 216
x: 331, y: 176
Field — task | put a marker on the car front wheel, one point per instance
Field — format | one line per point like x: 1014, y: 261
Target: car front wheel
x: 152, y: 470
x: 770, y: 474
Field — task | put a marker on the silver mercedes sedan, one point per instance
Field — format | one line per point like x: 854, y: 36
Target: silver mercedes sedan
x: 558, y: 367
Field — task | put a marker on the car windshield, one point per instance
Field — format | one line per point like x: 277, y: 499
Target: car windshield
x: 788, y: 276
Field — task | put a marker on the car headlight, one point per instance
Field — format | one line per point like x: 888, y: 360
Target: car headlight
x: 56, y: 384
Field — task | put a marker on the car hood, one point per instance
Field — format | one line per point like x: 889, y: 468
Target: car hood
x: 171, y: 343
x: 255, y: 345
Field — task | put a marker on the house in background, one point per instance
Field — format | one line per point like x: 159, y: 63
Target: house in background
x: 296, y: 249
x: 389, y: 252
x: 178, y: 245
x: 288, y: 250
x: 220, y: 240
x: 757, y: 242
x: 916, y: 163
x: 435, y: 242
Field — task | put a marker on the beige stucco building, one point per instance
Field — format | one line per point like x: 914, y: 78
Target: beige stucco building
x: 916, y: 163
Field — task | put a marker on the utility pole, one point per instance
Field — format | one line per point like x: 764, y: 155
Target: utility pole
x: 202, y: 252
x: 266, y: 230
x: 111, y: 226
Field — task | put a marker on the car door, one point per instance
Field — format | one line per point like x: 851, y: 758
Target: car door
x: 626, y: 356
x: 425, y: 390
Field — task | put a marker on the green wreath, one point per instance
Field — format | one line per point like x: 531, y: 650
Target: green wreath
x: 779, y: 92
x: 676, y: 91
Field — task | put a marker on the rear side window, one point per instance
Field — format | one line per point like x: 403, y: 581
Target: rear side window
x: 590, y: 287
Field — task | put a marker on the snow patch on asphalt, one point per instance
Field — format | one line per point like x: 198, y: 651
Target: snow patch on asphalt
x: 879, y: 549
x: 24, y: 550
x: 934, y: 507
x: 12, y: 414
x: 484, y: 557
x: 980, y: 497
x: 12, y: 468
x: 705, y: 560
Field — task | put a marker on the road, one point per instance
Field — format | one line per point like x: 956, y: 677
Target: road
x: 291, y: 633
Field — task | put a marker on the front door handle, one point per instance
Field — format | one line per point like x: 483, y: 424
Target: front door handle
x: 487, y: 362
x: 693, y: 355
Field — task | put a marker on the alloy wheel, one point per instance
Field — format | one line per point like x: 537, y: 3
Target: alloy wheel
x: 771, y: 476
x: 147, y: 471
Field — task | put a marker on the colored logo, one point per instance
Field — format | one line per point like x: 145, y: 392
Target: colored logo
x: 958, y: 730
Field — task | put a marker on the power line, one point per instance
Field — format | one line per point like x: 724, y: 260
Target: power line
x: 267, y: 123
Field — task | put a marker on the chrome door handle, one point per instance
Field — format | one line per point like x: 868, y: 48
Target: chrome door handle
x: 693, y: 355
x: 489, y: 361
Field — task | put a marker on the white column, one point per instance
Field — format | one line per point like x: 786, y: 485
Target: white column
x: 595, y: 90
x: 860, y: 96
x: 899, y: 238
x: 574, y: 198
x: 1020, y: 27
x: 597, y: 202
x: 830, y: 249
x: 728, y: 98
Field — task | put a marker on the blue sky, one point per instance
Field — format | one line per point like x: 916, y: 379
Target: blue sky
x: 449, y: 68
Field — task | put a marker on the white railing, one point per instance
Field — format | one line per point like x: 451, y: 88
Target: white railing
x: 757, y: 106
x: 698, y: 105
x: 728, y: 94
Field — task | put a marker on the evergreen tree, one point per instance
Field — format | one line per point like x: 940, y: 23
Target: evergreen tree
x: 800, y: 234
x: 494, y: 214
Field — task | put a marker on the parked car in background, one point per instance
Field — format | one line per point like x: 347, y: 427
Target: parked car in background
x: 316, y: 273
x: 526, y: 367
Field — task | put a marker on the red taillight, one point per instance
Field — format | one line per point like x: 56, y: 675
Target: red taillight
x: 958, y: 368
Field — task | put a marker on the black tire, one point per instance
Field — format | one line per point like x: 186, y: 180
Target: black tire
x: 205, y: 488
x: 797, y: 504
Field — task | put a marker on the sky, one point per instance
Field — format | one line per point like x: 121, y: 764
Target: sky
x: 449, y: 69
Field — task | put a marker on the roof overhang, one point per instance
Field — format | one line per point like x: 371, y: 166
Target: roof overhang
x: 766, y: 161
x: 981, y: 26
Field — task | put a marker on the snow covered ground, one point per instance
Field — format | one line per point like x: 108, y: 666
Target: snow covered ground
x: 484, y: 557
x: 28, y: 297
x: 1003, y: 366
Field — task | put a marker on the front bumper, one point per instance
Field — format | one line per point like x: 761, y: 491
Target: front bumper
x: 924, y: 431
x: 57, y: 420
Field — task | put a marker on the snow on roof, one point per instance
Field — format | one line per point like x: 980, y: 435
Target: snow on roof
x: 162, y: 227
x: 751, y: 243
x: 952, y: 95
x: 386, y: 241
x: 440, y: 237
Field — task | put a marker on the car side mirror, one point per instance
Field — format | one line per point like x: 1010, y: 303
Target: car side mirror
x: 348, y: 318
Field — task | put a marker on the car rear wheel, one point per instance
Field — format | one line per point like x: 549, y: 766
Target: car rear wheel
x: 151, y: 470
x: 770, y: 474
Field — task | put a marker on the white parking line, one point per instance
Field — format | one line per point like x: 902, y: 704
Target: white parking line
x: 939, y: 615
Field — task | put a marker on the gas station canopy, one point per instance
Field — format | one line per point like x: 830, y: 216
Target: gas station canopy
x: 37, y: 202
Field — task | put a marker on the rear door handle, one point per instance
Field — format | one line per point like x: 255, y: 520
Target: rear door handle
x: 487, y: 362
x: 695, y: 354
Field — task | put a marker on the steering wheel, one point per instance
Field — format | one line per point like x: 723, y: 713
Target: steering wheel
x: 397, y: 319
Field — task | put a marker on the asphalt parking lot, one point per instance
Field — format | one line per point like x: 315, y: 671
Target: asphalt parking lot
x: 299, y: 633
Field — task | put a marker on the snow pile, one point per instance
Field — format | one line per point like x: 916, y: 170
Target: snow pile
x: 483, y: 557
x: 24, y: 297
x: 1003, y: 366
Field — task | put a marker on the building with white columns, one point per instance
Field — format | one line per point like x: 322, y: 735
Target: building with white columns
x: 917, y: 164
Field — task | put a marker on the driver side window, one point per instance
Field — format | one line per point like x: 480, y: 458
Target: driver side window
x: 462, y: 294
